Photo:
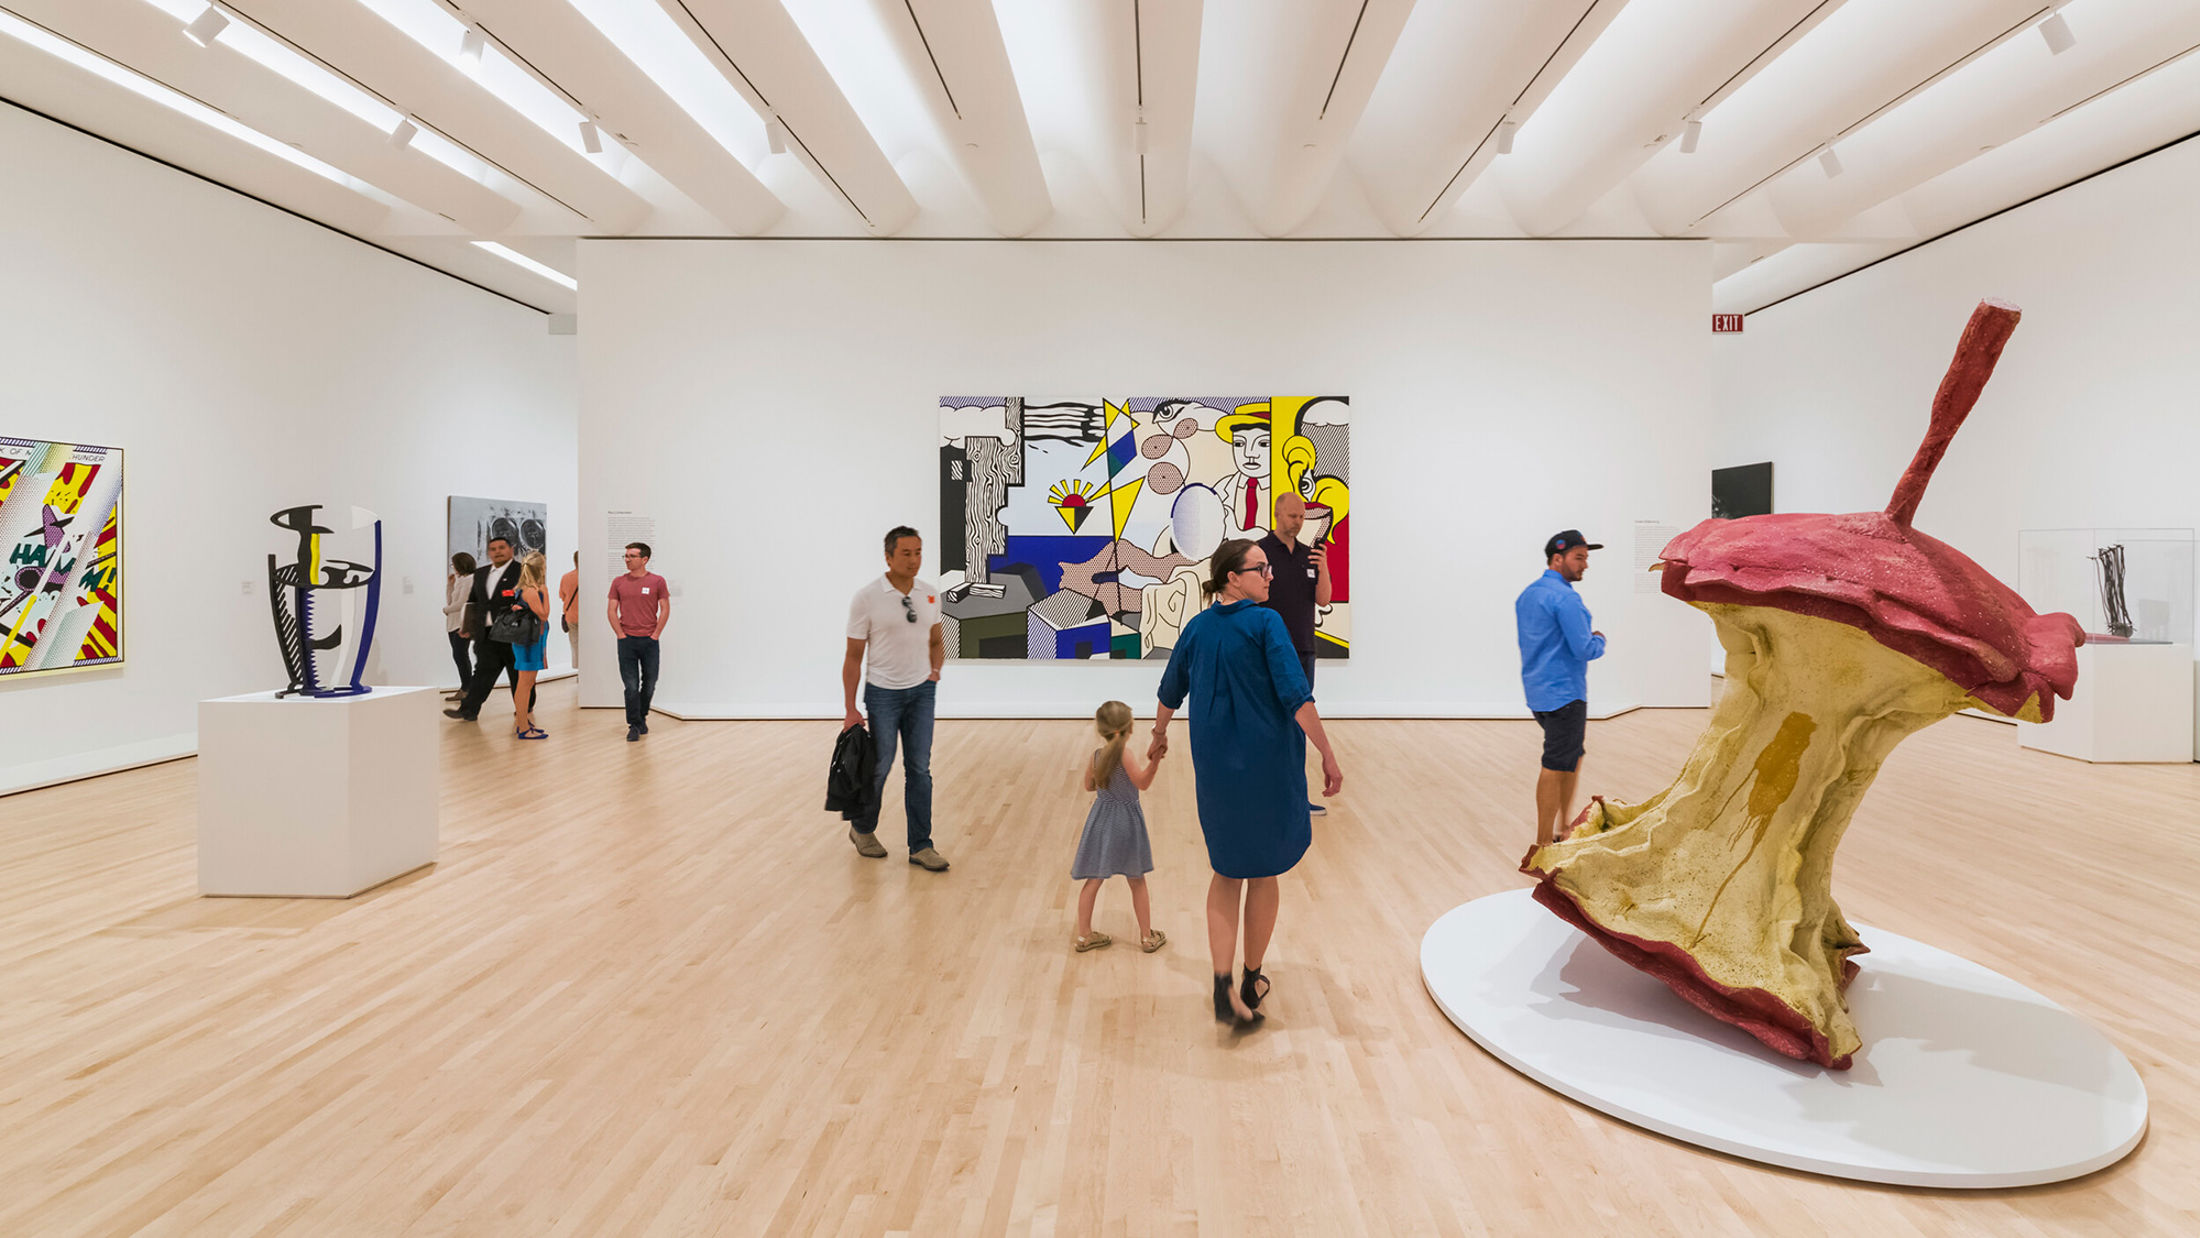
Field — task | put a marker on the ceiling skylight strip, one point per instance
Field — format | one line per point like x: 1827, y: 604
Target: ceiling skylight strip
x: 519, y: 259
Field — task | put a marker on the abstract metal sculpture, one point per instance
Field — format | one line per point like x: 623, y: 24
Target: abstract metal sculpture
x: 1843, y: 635
x: 324, y: 608
x: 2109, y: 567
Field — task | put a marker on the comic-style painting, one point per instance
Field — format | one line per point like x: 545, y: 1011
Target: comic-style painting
x: 61, y: 524
x: 1079, y: 529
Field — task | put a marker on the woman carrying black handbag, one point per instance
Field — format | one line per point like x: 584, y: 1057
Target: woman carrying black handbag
x: 527, y: 629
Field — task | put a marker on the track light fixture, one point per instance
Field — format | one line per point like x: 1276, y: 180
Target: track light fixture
x: 1141, y: 139
x: 1830, y: 162
x: 402, y: 136
x: 591, y: 139
x: 775, y: 135
x: 1691, y: 134
x: 206, y: 27
x: 1505, y: 131
x: 2057, y: 33
x: 470, y: 45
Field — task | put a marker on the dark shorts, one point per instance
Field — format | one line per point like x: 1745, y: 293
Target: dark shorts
x: 1563, y: 730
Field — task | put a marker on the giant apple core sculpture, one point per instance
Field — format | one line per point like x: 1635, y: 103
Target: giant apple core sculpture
x: 1843, y: 635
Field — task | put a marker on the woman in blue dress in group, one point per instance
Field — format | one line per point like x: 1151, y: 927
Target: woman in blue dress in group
x: 1252, y: 714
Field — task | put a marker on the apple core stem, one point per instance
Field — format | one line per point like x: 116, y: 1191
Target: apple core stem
x: 1990, y: 327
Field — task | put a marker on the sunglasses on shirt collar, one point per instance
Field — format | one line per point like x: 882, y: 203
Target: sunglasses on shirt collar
x: 908, y: 608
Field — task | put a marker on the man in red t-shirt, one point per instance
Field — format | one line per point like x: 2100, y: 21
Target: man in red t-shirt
x: 641, y: 605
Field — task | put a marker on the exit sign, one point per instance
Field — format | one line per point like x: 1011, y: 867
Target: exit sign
x: 1722, y: 323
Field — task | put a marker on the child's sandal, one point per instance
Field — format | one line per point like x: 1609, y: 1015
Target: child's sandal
x: 1093, y: 942
x: 1153, y: 941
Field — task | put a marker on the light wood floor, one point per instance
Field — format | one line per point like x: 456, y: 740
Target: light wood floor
x: 650, y: 989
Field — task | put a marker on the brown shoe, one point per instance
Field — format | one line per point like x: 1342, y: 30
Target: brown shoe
x: 867, y: 845
x: 1093, y: 941
x: 928, y: 859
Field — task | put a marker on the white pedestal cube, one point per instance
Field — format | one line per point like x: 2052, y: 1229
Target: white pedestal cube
x: 2132, y: 703
x: 316, y: 798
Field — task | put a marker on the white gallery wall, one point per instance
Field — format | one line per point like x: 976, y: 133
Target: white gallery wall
x: 246, y: 361
x: 772, y: 407
x: 2092, y: 419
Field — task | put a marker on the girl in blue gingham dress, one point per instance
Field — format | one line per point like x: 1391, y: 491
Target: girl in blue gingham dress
x: 1114, y: 843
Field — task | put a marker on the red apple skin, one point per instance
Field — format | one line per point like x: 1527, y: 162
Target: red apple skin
x: 1911, y: 592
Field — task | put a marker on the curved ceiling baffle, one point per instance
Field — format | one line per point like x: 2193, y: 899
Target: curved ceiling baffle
x: 1459, y: 71
x: 2149, y: 110
x: 2156, y: 105
x: 146, y: 115
x: 1126, y: 61
x: 1284, y: 85
x: 1658, y: 64
x: 955, y: 58
x: 370, y: 50
x: 151, y: 41
x: 761, y: 51
x: 564, y: 51
x: 1996, y: 98
x: 1861, y: 61
x: 1148, y: 52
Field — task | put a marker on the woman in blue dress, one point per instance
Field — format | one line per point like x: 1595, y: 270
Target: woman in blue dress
x: 1252, y: 714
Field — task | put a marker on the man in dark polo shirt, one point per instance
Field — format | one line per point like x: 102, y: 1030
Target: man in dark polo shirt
x: 1301, y: 584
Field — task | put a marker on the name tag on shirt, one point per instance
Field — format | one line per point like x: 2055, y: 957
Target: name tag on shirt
x: 645, y: 590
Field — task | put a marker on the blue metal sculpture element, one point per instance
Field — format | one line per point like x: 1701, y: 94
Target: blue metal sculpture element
x: 324, y: 608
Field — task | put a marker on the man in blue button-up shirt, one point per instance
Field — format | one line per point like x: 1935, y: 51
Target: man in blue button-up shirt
x: 1557, y: 643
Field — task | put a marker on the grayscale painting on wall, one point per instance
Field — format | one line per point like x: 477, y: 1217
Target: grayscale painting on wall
x: 474, y: 521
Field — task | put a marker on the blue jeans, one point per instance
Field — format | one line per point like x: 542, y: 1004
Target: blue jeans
x: 903, y: 716
x: 638, y: 671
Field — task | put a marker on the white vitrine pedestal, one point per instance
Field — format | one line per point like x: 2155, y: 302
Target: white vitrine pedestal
x: 2132, y: 703
x: 309, y: 798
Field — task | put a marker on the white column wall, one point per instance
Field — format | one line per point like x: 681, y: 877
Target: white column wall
x: 773, y: 406
x: 2092, y: 419
x: 247, y: 360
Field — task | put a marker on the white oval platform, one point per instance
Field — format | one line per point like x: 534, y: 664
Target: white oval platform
x: 1966, y: 1079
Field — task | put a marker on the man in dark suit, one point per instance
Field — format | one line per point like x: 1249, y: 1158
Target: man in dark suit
x: 495, y: 592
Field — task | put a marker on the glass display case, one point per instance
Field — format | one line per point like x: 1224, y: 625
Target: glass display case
x: 2126, y: 586
x: 2131, y: 590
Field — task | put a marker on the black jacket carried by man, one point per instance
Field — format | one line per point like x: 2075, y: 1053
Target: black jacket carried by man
x: 851, y: 783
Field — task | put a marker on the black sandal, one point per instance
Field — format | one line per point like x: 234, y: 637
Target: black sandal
x: 1226, y: 1013
x: 1248, y: 993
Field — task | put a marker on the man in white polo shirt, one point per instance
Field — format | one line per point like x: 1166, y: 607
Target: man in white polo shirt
x: 894, y: 621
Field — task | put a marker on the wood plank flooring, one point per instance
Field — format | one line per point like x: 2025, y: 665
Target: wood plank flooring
x: 650, y: 989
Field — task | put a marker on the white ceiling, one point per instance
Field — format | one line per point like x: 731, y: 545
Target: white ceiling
x: 1124, y: 118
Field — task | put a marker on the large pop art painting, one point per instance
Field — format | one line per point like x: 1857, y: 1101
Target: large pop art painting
x: 1078, y: 529
x: 61, y: 526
